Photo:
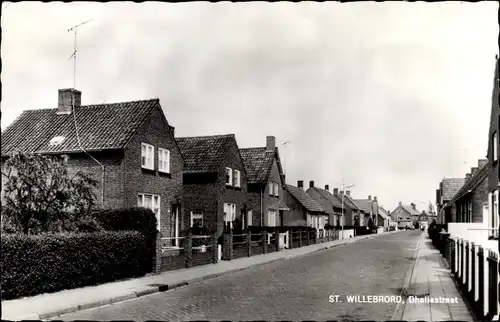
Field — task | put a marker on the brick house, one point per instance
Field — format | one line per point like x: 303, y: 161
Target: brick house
x: 448, y: 188
x: 265, y: 184
x: 405, y: 215
x: 129, y: 147
x: 328, y: 202
x: 370, y: 208
x: 304, y: 211
x: 214, y: 183
x: 355, y: 215
x: 471, y: 201
x: 384, y: 217
x: 492, y: 156
x: 423, y: 220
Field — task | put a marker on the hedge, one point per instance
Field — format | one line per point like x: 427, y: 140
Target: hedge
x: 138, y: 219
x: 35, y: 264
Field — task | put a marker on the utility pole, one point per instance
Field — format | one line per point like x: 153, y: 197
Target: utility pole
x: 343, y: 192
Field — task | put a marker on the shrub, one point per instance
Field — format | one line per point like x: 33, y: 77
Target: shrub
x: 138, y: 219
x: 35, y: 264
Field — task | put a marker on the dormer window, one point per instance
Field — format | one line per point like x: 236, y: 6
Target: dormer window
x: 237, y: 178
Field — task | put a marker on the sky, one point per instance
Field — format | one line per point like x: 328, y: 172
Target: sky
x: 389, y: 97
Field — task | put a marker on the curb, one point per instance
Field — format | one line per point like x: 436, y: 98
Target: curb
x: 401, y: 306
x: 166, y: 287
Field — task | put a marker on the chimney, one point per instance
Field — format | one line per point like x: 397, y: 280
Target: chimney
x: 342, y: 192
x: 327, y: 187
x: 300, y: 184
x: 348, y: 192
x: 375, y: 198
x: 270, y: 143
x: 467, y: 176
x: 335, y: 191
x: 481, y: 163
x: 473, y: 170
x: 400, y: 203
x: 311, y: 184
x: 369, y: 197
x: 172, y: 129
x: 413, y: 206
x: 67, y: 97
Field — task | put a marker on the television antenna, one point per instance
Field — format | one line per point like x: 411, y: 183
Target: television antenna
x: 74, y: 29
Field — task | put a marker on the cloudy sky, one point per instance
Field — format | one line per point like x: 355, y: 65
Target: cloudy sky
x: 391, y: 96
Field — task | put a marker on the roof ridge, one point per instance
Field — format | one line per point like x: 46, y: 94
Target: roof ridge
x: 207, y: 136
x: 122, y: 102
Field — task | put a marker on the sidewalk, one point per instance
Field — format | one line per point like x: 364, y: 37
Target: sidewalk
x: 431, y: 279
x: 53, y: 304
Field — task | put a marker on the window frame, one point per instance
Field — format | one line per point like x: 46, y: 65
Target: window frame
x: 192, y: 217
x: 142, y: 196
x: 236, y: 178
x: 495, y: 146
x: 146, y: 146
x: 161, y: 155
x: 230, y: 183
x: 276, y: 189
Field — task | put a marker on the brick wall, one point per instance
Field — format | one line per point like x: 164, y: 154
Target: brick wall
x: 210, y: 195
x: 274, y: 176
x: 253, y: 201
x: 155, y: 131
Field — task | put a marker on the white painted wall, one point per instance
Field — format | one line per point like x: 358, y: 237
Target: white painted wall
x: 469, y: 231
x: 347, y: 233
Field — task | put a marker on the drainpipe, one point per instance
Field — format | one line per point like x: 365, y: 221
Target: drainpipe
x: 261, y: 208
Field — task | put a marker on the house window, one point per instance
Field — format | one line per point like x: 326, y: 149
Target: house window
x: 163, y: 160
x: 196, y: 218
x: 152, y: 202
x: 147, y: 156
x: 327, y: 220
x: 237, y: 178
x: 470, y: 212
x: 495, y: 146
x: 276, y: 189
x: 229, y: 176
x: 271, y: 218
x: 249, y: 218
x: 229, y: 214
x: 493, y: 222
x: 271, y: 188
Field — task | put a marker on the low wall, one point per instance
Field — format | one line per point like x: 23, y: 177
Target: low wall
x: 347, y: 233
x: 380, y: 230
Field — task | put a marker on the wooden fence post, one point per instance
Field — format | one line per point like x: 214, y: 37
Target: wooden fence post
x: 290, y: 238
x: 264, y: 241
x: 189, y: 249
x: 227, y: 246
x: 215, y: 249
x: 300, y: 237
x: 277, y: 241
x: 249, y: 243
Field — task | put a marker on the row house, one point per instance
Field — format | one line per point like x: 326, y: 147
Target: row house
x: 304, y: 210
x: 128, y: 146
x: 370, y: 209
x: 448, y: 188
x: 492, y: 156
x: 384, y: 217
x: 265, y: 184
x: 214, y: 183
x: 330, y: 204
x: 357, y: 214
x: 470, y: 203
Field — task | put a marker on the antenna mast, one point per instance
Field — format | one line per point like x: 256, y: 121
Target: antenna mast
x: 75, y: 50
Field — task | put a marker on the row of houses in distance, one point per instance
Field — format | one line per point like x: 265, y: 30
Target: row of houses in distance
x: 206, y: 181
x: 469, y: 206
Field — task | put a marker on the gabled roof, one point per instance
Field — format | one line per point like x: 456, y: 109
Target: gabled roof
x: 364, y: 204
x: 324, y: 198
x: 100, y: 127
x: 450, y: 186
x: 410, y: 210
x: 259, y: 163
x: 204, y: 153
x: 471, y: 184
x: 384, y: 213
x: 351, y: 203
x: 304, y: 199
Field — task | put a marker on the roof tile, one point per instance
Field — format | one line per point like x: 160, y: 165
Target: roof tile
x: 204, y: 153
x: 258, y: 163
x: 305, y: 199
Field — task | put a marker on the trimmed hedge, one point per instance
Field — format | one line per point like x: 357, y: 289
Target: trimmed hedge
x: 35, y: 264
x: 138, y: 219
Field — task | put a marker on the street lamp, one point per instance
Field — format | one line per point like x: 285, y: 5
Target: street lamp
x: 343, y: 189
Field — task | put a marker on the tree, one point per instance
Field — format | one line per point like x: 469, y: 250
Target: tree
x: 430, y: 208
x: 41, y: 196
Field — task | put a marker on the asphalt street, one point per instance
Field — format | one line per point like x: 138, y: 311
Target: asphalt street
x: 293, y: 289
